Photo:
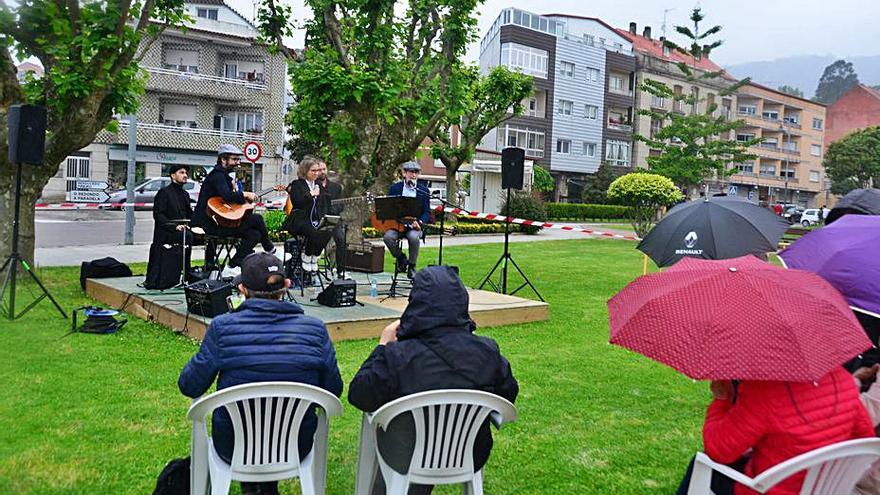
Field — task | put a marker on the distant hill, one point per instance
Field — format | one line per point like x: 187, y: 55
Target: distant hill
x: 804, y: 71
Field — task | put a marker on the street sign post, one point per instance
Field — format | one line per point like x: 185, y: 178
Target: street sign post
x: 731, y: 190
x: 91, y: 184
x: 88, y: 196
x: 252, y: 151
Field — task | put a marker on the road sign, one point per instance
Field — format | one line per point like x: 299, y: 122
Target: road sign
x: 731, y: 190
x: 88, y: 196
x: 751, y: 194
x: 252, y: 151
x: 91, y: 184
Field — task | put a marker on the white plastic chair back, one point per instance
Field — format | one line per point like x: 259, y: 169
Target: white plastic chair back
x: 446, y: 425
x: 831, y: 470
x: 266, y: 418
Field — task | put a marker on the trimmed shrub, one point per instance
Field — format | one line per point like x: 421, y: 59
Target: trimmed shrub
x: 525, y: 206
x: 579, y: 211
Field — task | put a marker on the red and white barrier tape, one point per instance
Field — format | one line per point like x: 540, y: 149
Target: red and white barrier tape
x: 520, y: 221
x: 98, y: 206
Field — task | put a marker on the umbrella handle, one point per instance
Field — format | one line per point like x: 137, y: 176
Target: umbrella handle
x: 645, y: 264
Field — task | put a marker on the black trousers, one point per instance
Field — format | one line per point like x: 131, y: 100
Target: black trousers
x: 316, y: 240
x: 252, y: 231
x: 338, y: 234
x: 721, y: 485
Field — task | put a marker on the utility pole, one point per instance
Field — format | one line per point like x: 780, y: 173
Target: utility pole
x: 786, y: 145
x: 130, y: 179
x: 663, y: 26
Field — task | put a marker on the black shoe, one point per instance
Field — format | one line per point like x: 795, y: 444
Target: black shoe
x: 402, y: 263
x: 410, y: 271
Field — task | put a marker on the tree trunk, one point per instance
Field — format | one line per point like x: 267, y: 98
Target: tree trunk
x: 451, y: 183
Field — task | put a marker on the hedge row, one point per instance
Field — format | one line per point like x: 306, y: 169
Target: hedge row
x: 578, y: 211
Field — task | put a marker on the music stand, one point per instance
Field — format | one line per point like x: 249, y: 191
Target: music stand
x: 398, y: 208
x: 185, y: 222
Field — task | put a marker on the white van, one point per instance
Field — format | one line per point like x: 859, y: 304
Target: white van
x: 811, y: 216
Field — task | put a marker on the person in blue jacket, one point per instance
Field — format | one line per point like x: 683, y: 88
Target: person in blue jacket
x: 413, y: 231
x: 265, y: 339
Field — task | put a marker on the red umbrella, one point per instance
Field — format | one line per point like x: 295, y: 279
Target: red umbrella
x: 737, y: 319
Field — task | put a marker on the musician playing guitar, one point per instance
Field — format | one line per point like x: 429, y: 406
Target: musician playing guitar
x: 252, y: 228
x: 310, y: 201
x: 411, y: 227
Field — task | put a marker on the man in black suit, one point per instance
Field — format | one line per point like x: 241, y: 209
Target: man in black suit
x: 171, y: 207
x: 334, y: 191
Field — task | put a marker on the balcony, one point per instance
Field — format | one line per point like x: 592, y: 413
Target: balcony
x: 257, y: 83
x: 620, y: 126
x: 203, y: 85
x: 257, y: 135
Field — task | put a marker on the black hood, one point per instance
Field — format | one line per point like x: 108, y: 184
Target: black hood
x: 438, y: 299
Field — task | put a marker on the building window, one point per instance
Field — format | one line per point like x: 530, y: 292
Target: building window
x: 524, y: 58
x: 746, y: 168
x: 817, y: 124
x: 656, y: 125
x: 616, y: 84
x: 591, y: 112
x: 814, y: 176
x: 618, y: 47
x: 244, y: 122
x: 589, y: 149
x: 768, y: 169
x: 793, y: 119
x: 770, y: 115
x: 522, y: 137
x: 207, y: 14
x: 750, y: 110
x: 816, y: 149
x: 592, y: 75
x: 787, y: 172
x: 744, y: 138
x: 181, y: 60
x: 567, y: 69
x: 589, y: 39
x: 77, y: 169
x: 532, y: 107
x: 564, y: 107
x: 617, y: 153
x: 658, y: 101
x: 666, y: 51
x: 563, y: 146
x: 179, y: 115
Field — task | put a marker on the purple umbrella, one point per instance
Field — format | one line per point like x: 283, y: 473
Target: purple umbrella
x: 846, y: 254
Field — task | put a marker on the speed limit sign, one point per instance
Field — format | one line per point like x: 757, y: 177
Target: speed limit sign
x: 252, y: 151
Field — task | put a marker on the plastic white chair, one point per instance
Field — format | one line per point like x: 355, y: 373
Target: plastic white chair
x: 266, y: 418
x: 446, y: 425
x: 831, y: 470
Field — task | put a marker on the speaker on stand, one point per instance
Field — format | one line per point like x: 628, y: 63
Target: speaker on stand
x: 27, y: 141
x: 512, y: 177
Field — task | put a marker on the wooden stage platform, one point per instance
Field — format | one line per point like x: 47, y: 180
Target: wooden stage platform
x: 357, y: 322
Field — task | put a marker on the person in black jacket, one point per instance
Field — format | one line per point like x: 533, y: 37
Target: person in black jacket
x: 310, y: 203
x: 334, y: 191
x: 252, y: 230
x: 431, y: 347
x: 170, y: 205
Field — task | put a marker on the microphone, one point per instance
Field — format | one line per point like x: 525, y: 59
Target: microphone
x: 410, y: 184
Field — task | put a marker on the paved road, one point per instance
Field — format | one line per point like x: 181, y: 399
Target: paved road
x: 89, y: 227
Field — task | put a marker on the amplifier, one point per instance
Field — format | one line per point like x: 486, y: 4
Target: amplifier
x: 207, y: 297
x: 339, y: 293
x: 368, y: 258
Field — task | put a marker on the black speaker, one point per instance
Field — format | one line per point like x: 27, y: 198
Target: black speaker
x: 27, y: 134
x: 207, y: 298
x: 338, y: 294
x: 513, y: 163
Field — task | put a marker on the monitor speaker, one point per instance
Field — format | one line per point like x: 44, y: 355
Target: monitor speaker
x: 26, y: 134
x: 207, y: 297
x: 513, y: 162
x: 339, y: 293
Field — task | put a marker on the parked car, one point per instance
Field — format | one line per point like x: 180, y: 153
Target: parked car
x: 811, y: 216
x: 146, y: 191
x: 792, y: 213
x: 275, y: 202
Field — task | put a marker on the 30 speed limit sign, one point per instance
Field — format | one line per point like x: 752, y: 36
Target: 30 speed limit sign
x: 252, y: 152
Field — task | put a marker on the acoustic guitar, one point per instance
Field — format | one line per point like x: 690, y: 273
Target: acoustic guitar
x: 230, y: 215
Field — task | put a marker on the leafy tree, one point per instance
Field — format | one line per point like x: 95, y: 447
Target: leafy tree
x: 691, y: 143
x: 90, y: 53
x: 791, y: 90
x: 837, y: 79
x: 372, y: 83
x: 542, y: 181
x: 645, y: 193
x: 596, y: 186
x: 854, y: 161
x: 486, y: 101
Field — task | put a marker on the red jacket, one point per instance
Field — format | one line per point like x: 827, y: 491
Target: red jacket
x: 780, y: 420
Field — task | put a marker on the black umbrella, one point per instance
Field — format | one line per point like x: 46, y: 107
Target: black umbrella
x: 856, y: 202
x: 715, y: 229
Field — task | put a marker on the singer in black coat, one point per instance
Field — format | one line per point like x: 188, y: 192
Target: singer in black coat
x: 306, y: 215
x: 171, y: 203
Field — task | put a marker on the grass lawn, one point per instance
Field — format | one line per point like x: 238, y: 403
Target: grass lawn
x: 102, y: 414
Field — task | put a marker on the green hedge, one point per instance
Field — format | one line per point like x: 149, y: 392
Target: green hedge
x: 578, y: 211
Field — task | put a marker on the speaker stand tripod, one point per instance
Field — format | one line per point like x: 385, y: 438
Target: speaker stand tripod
x: 10, y: 266
x: 503, y: 261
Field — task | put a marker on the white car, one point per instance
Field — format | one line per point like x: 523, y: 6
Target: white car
x: 811, y: 216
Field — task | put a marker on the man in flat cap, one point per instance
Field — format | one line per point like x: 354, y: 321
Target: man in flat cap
x: 412, y: 230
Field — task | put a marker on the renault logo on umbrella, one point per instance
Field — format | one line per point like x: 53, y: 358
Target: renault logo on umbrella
x: 690, y: 240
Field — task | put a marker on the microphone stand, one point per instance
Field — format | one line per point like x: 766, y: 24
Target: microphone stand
x: 442, y: 219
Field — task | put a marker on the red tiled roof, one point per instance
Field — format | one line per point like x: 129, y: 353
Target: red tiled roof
x: 654, y: 48
x: 871, y: 91
x: 766, y: 88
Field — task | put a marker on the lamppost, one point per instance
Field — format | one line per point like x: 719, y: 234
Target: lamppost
x: 785, y: 146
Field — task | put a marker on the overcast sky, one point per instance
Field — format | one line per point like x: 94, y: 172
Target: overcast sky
x: 753, y: 29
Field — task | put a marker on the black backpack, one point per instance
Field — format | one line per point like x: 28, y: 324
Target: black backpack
x: 174, y: 478
x: 102, y: 268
